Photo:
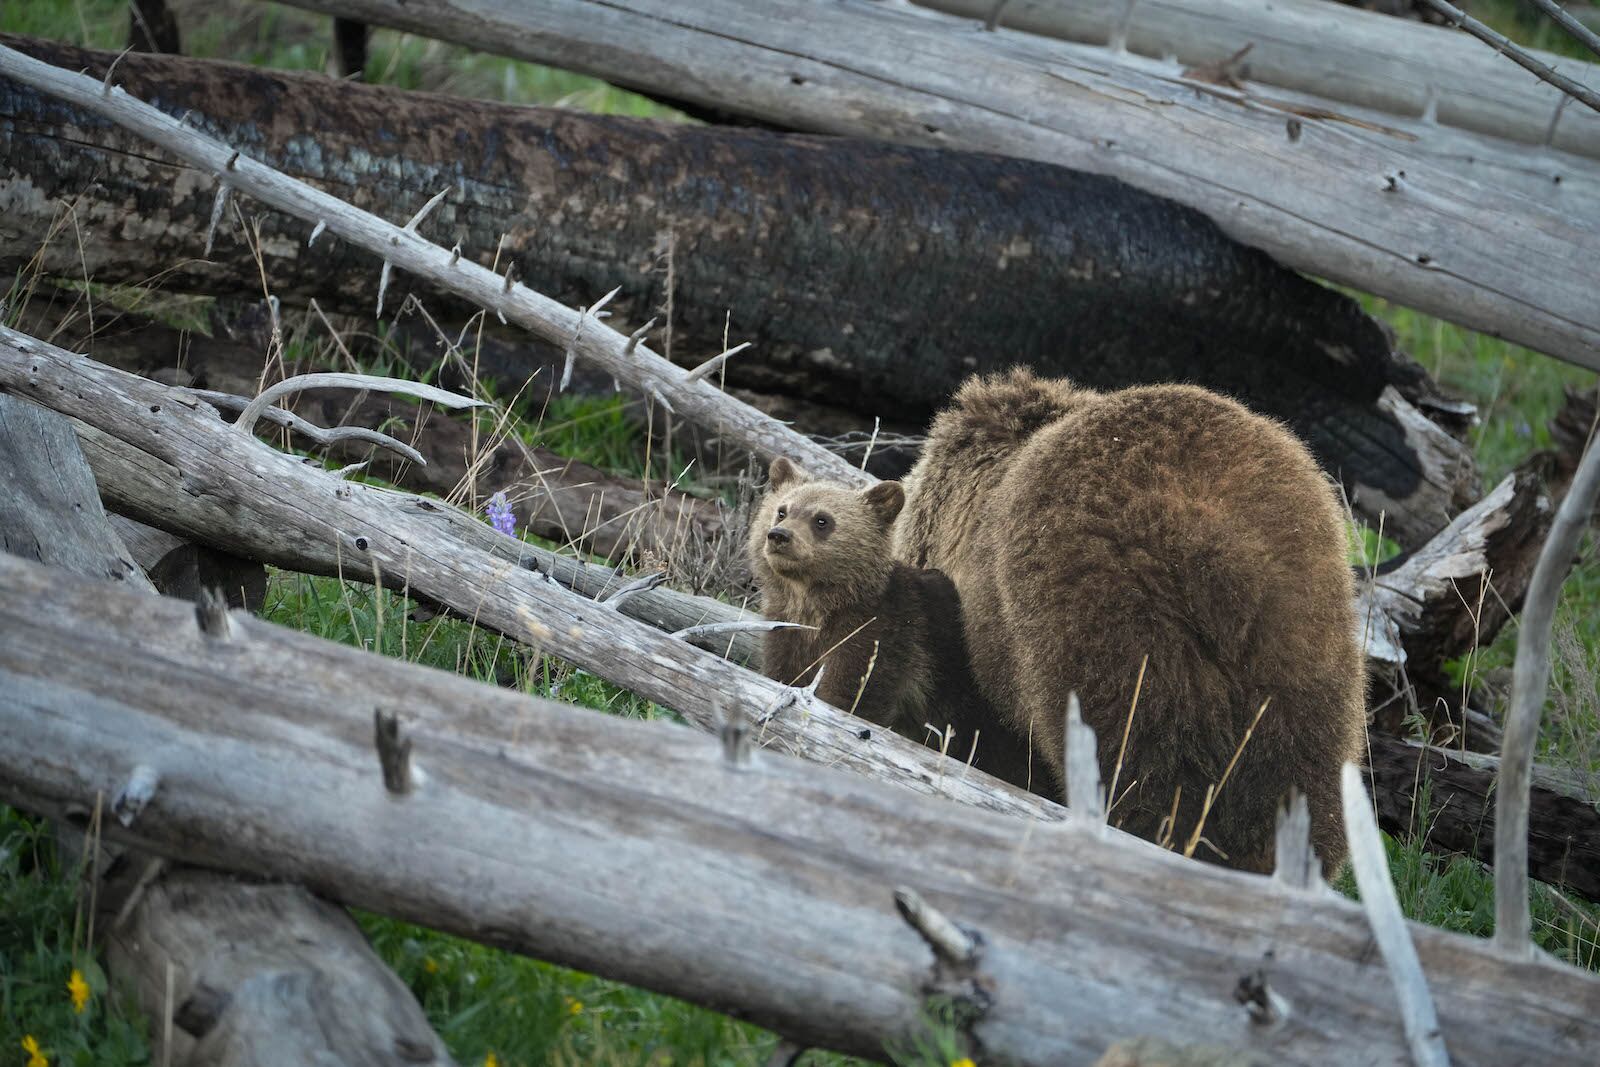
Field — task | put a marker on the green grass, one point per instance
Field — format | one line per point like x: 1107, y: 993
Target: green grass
x: 524, y: 1012
x: 42, y: 941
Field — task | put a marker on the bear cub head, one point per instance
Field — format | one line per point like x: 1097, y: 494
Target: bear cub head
x: 823, y: 538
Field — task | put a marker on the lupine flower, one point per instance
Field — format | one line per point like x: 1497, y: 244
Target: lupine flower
x: 79, y: 989
x: 30, y: 1045
x: 500, y: 514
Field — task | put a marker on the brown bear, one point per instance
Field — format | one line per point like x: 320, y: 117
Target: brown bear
x: 1087, y: 531
x: 888, y: 637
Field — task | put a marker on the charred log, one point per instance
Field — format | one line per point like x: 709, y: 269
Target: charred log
x: 868, y: 276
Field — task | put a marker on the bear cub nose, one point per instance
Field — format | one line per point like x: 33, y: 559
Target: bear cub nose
x: 779, y: 536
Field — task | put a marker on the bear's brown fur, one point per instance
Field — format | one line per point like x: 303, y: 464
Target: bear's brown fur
x: 1086, y: 531
x: 889, y: 637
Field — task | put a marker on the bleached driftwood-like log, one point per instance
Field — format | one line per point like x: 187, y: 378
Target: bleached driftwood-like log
x: 531, y: 820
x: 298, y: 981
x: 161, y: 488
x: 1101, y: 282
x: 1538, y: 67
x: 1371, y: 866
x: 547, y: 319
x: 272, y: 507
x: 1530, y: 678
x: 1322, y: 196
x: 1342, y: 54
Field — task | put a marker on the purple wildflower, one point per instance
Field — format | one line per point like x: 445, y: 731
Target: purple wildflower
x: 500, y: 515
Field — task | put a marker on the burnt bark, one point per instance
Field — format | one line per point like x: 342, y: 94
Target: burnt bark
x: 152, y: 27
x: 1563, y: 827
x: 869, y: 276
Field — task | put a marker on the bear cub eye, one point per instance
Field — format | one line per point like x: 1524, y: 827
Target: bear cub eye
x: 783, y: 510
x: 823, y: 522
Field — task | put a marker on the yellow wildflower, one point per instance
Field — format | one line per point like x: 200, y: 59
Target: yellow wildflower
x: 30, y: 1045
x: 491, y: 1060
x: 965, y: 1061
x: 429, y: 965
x: 574, y: 1006
x: 79, y: 989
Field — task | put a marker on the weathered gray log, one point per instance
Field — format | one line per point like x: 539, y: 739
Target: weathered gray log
x: 582, y: 334
x: 1083, y: 938
x: 1339, y: 53
x: 553, y: 496
x: 238, y: 492
x: 846, y: 296
x: 265, y: 974
x: 176, y: 488
x: 52, y: 510
x: 1313, y: 193
x: 278, y: 936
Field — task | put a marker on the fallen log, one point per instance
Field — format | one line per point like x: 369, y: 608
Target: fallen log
x: 1349, y: 56
x: 203, y: 490
x: 298, y: 981
x: 236, y: 491
x: 1056, y: 940
x: 1321, y: 196
x: 553, y: 496
x: 846, y: 296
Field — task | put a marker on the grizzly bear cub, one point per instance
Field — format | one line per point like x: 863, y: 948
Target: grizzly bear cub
x: 888, y: 637
x: 1091, y: 532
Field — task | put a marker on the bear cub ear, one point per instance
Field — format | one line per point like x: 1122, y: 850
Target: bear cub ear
x: 885, y: 499
x: 783, y: 471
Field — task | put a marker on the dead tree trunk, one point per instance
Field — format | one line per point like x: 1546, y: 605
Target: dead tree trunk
x: 1321, y: 195
x: 298, y: 980
x: 1346, y: 56
x: 1054, y: 940
x: 879, y: 293
x: 264, y: 504
x: 191, y: 476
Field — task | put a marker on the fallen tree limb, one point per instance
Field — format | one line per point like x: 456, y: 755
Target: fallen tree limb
x: 298, y: 981
x: 1083, y: 939
x: 1311, y: 193
x: 1537, y: 67
x: 1350, y: 56
x: 236, y: 491
x: 844, y: 305
x: 189, y: 487
x: 554, y: 497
